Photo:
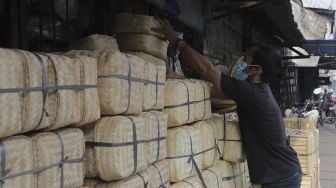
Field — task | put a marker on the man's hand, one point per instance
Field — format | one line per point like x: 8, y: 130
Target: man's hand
x: 167, y: 30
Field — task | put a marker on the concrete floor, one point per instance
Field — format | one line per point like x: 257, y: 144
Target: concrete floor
x: 328, y: 156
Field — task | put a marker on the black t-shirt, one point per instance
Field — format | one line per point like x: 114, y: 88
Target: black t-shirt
x: 270, y: 158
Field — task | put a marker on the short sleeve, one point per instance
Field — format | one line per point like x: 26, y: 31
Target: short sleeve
x: 239, y: 91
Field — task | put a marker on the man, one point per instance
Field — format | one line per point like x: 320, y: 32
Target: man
x: 272, y: 162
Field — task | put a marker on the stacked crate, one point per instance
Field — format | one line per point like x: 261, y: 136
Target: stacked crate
x: 127, y: 146
x: 41, y: 92
x: 304, y: 139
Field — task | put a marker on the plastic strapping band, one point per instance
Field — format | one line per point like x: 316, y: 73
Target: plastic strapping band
x: 188, y: 183
x: 129, y: 82
x: 44, y: 90
x: 162, y: 185
x: 197, y: 169
x: 186, y: 103
x: 145, y: 183
x: 133, y: 79
x: 135, y: 145
x: 216, y: 177
x: 156, y: 87
x: 61, y: 163
x: 158, y: 138
x: 204, y: 101
x: 192, y: 159
x: 234, y: 176
x: 107, y: 144
x: 4, y: 172
x: 308, y: 153
x: 188, y: 100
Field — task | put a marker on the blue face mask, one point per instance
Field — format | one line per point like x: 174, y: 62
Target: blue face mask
x: 240, y: 66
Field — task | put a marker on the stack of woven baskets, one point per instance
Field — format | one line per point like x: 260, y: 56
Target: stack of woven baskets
x: 303, y: 136
x: 127, y: 146
x: 198, y: 140
x: 40, y: 95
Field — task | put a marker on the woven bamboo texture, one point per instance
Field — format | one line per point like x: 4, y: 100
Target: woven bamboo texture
x: 181, y: 143
x: 88, y: 99
x: 154, y: 176
x: 202, y: 91
x: 223, y: 106
x: 300, y: 123
x: 210, y: 153
x: 117, y: 153
x: 186, y: 101
x: 59, y: 149
x: 20, y: 113
x: 309, y: 181
x: 233, y: 147
x: 91, y: 182
x: 302, y: 141
x: 220, y: 175
x: 240, y: 174
x: 135, y: 23
x: 120, y: 81
x: 155, y: 72
x: 149, y: 58
x: 63, y: 107
x: 192, y: 182
x: 46, y: 91
x: 14, y: 149
x: 217, y: 123
x: 120, y: 96
x: 143, y: 43
x: 96, y: 42
x: 156, y: 132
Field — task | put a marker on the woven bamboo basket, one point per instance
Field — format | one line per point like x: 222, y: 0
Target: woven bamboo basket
x: 62, y: 152
x: 183, y: 98
x: 316, y: 134
x: 220, y: 175
x: 87, y: 99
x: 135, y: 23
x: 143, y: 43
x: 63, y: 106
x: 233, y: 147
x: 300, y: 123
x: 155, y: 72
x: 192, y: 182
x: 96, y: 42
x: 302, y: 141
x: 158, y: 174
x: 239, y: 171
x: 17, y: 156
x: 202, y: 92
x: 156, y: 129
x: 113, y: 85
x: 307, y: 181
x: 119, y: 147
x: 217, y: 123
x: 149, y: 58
x: 180, y: 142
x: 210, y: 153
x: 92, y: 182
x: 153, y: 177
x: 21, y: 111
x: 120, y: 96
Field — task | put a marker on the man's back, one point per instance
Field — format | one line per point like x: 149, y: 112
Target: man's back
x: 269, y: 156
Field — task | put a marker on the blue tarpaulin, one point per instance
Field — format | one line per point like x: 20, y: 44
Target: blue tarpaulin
x: 321, y: 47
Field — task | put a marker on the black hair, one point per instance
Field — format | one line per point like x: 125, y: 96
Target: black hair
x: 269, y: 58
